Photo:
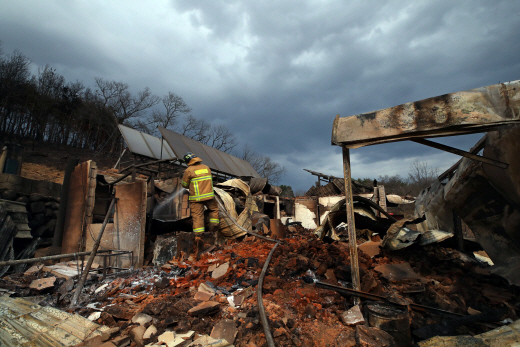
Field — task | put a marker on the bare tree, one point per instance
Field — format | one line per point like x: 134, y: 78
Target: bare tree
x: 195, y: 128
x: 421, y: 175
x: 299, y: 192
x: 263, y: 164
x: 220, y: 137
x: 394, y: 184
x: 49, y: 89
x: 123, y: 104
x: 14, y: 87
x: 174, y: 106
x: 216, y: 136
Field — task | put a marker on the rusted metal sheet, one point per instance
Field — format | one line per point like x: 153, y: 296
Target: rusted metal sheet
x: 486, y: 198
x: 257, y: 185
x: 274, y: 190
x: 430, y: 203
x: 81, y: 203
x: 494, y: 220
x: 334, y: 186
x: 277, y: 228
x: 330, y: 189
x: 470, y: 111
x: 504, y: 145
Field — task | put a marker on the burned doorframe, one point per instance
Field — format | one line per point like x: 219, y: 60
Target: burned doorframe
x: 473, y: 111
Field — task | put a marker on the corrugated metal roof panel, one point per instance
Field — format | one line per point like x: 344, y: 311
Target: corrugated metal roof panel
x: 217, y: 159
x: 23, y: 323
x: 196, y: 148
x: 145, y: 144
x: 214, y: 158
x: 231, y: 163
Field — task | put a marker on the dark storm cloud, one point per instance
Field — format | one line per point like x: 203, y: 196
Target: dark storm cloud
x: 277, y: 72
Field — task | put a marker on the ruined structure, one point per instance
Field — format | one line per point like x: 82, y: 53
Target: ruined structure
x: 337, y: 267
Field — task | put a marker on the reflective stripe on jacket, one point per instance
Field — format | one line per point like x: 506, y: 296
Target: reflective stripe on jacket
x: 198, y: 178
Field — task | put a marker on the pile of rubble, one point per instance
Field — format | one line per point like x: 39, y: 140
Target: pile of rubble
x: 213, y: 300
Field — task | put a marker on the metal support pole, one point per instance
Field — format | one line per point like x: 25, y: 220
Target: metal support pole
x: 120, y: 157
x: 84, y: 275
x: 41, y: 259
x: 354, y: 261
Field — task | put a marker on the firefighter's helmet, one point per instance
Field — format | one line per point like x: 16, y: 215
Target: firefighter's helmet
x: 188, y: 156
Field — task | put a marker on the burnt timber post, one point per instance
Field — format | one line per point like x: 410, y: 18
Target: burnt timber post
x: 134, y: 171
x: 64, y: 198
x: 354, y: 261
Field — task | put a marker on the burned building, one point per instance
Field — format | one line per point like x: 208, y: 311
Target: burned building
x: 337, y: 267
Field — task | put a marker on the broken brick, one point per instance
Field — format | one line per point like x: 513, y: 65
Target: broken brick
x: 205, y: 309
x: 225, y: 329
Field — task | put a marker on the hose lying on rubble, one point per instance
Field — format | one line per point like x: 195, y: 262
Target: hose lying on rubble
x: 261, y: 309
x: 224, y: 211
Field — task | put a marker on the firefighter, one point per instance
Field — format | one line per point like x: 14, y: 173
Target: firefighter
x: 197, y: 178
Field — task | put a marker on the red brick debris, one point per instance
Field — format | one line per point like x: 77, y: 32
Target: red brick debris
x: 183, y: 296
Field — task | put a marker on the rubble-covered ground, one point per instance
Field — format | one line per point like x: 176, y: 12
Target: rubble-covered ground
x: 300, y: 314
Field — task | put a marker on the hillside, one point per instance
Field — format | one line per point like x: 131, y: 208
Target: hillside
x: 47, y: 162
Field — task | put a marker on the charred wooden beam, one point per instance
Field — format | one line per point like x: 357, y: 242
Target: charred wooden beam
x: 64, y: 198
x: 474, y: 150
x: 155, y: 162
x: 471, y: 111
x: 461, y: 153
x: 354, y: 261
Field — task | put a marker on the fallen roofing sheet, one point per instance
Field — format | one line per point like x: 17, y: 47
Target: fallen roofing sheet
x: 23, y: 323
x: 215, y: 159
x: 472, y: 111
x: 145, y: 144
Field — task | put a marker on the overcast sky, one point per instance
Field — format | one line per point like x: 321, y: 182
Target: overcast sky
x: 277, y: 72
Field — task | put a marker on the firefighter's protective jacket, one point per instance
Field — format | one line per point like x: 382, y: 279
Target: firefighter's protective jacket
x: 198, y: 177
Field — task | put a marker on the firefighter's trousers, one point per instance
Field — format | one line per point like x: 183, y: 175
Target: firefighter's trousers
x: 197, y: 214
